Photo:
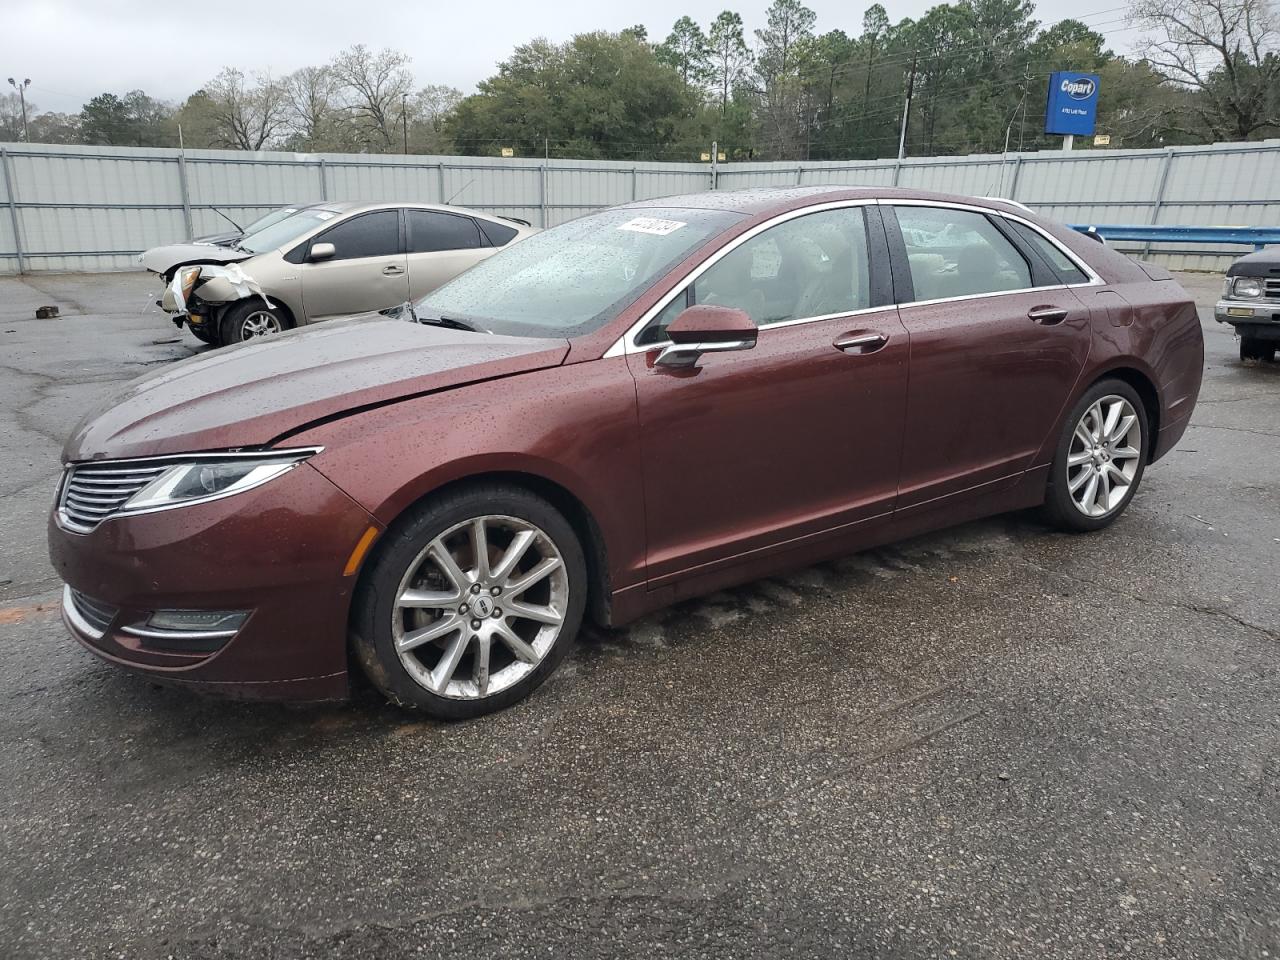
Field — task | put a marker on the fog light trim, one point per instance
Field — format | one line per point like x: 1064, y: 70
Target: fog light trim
x: 189, y: 625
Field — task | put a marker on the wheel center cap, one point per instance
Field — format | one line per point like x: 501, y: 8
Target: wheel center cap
x: 482, y: 605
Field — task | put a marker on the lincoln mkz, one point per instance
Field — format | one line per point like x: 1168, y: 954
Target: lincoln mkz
x: 639, y: 406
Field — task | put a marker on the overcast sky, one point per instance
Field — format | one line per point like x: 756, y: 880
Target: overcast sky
x: 75, y: 49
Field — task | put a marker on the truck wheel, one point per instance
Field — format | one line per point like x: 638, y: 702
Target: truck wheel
x: 1255, y: 348
x: 252, y: 319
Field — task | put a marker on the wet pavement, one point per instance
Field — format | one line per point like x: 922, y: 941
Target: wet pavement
x: 994, y: 741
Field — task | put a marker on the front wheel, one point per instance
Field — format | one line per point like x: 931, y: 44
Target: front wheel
x: 252, y: 319
x: 1255, y: 348
x: 1100, y: 458
x: 471, y: 602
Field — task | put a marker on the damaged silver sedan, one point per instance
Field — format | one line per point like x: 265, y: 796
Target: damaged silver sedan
x: 325, y: 261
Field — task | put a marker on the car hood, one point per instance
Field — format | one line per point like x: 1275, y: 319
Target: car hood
x: 1260, y: 263
x: 254, y: 393
x: 163, y: 259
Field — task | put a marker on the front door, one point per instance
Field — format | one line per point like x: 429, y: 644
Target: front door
x: 368, y: 270
x: 997, y: 344
x: 750, y: 451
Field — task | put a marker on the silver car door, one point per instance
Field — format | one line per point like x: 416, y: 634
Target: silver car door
x: 366, y: 271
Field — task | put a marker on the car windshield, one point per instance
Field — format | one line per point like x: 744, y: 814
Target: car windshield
x: 275, y: 216
x: 284, y: 231
x: 577, y: 277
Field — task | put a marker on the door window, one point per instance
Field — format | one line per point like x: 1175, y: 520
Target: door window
x: 432, y: 232
x: 958, y: 253
x: 498, y: 234
x: 811, y: 266
x: 1067, y: 271
x: 368, y: 235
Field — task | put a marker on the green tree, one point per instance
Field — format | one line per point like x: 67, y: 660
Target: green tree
x: 598, y: 95
x: 105, y: 119
x: 788, y: 30
x: 686, y: 49
x: 728, y: 56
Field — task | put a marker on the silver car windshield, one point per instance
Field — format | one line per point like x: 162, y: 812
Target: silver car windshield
x: 577, y: 277
x: 284, y: 231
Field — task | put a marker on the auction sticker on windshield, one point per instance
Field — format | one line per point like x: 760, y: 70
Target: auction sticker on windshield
x: 652, y: 225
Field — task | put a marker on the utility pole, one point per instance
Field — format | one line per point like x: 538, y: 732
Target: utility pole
x: 404, y: 119
x: 906, y: 109
x: 22, y: 98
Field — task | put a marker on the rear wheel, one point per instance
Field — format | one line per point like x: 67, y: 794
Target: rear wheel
x: 252, y: 319
x: 1255, y: 348
x: 1100, y: 458
x: 471, y: 602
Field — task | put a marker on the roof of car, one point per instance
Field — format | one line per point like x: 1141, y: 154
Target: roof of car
x: 360, y: 206
x: 765, y: 200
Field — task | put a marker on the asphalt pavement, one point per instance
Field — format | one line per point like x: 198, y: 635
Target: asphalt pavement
x: 995, y: 741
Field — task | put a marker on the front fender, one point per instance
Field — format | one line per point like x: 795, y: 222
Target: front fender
x: 574, y: 426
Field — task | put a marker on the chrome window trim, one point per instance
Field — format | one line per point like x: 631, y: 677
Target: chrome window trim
x: 1088, y: 271
x: 64, y: 522
x: 626, y: 343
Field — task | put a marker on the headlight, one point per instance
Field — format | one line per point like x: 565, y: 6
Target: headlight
x: 1249, y: 288
x: 187, y: 278
x: 214, y: 476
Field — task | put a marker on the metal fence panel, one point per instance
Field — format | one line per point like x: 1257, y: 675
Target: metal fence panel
x: 95, y: 208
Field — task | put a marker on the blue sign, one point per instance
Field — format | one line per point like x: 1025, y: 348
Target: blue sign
x: 1073, y: 103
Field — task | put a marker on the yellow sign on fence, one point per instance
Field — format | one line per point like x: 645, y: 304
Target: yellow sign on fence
x: 508, y: 152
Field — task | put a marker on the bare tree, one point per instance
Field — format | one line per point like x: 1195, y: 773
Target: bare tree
x: 1227, y: 51
x: 246, y: 116
x: 312, y: 96
x: 374, y: 85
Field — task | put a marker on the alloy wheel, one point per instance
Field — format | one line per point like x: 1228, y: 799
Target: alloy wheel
x: 1104, y: 456
x: 260, y: 323
x: 480, y: 607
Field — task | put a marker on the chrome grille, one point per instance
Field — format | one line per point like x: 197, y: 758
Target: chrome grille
x: 95, y: 613
x: 1271, y: 288
x: 94, y: 491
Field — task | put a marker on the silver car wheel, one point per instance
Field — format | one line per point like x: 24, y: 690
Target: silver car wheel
x: 1104, y: 456
x: 260, y: 323
x: 480, y: 607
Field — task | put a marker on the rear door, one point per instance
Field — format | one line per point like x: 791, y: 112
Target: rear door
x: 997, y: 345
x: 441, y: 246
x: 368, y: 270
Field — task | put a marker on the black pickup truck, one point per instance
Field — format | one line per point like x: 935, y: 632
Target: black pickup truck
x: 1251, y: 303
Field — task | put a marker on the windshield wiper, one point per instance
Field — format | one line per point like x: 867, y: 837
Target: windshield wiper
x: 448, y: 322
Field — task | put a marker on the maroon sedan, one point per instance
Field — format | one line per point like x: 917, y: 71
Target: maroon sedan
x: 641, y: 405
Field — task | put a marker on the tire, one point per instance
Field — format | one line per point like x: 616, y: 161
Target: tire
x: 204, y: 334
x: 1255, y: 348
x: 428, y: 655
x: 251, y: 319
x: 1069, y: 503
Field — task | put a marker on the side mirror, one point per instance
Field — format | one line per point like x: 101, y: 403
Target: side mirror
x: 321, y: 251
x: 706, y: 328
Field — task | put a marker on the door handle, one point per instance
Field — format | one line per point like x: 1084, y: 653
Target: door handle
x: 860, y: 343
x: 1047, y: 315
x: 392, y: 270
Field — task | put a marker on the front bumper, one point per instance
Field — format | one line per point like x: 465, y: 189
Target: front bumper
x: 278, y: 551
x: 1262, y: 317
